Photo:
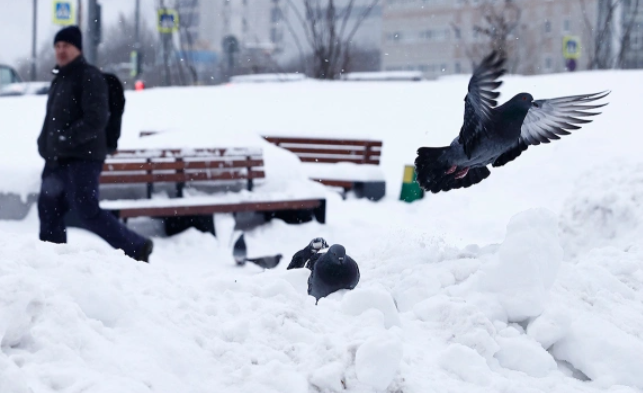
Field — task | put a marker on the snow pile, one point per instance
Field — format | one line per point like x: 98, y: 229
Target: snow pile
x: 451, y: 298
x: 79, y: 319
x: 605, y: 209
x: 431, y: 317
x: 596, y: 317
x: 526, y: 266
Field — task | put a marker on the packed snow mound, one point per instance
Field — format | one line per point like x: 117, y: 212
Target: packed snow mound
x: 604, y: 209
x: 514, y: 283
x: 78, y: 319
x: 426, y: 315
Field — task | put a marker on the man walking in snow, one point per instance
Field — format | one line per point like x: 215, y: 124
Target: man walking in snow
x: 73, y: 144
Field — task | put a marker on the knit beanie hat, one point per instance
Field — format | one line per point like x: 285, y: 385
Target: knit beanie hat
x: 72, y: 35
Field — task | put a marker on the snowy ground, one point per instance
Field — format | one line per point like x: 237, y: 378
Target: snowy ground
x: 531, y: 281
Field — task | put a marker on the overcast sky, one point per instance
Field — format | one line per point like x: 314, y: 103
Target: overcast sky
x: 16, y: 23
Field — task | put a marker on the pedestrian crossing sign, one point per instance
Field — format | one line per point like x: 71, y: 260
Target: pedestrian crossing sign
x: 64, y: 13
x: 571, y: 47
x: 167, y: 20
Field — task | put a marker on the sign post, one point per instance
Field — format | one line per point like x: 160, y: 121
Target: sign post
x: 571, y: 51
x: 411, y: 190
x: 64, y: 13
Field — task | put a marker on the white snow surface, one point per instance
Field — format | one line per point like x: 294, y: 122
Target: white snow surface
x: 531, y: 281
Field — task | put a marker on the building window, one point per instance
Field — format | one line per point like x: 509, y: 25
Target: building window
x: 567, y: 25
x: 276, y: 35
x: 426, y: 35
x: 457, y: 33
x: 547, y: 26
x: 548, y: 63
x: 275, y: 15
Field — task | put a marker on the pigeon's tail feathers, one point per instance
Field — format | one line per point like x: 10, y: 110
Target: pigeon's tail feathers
x: 436, y: 173
x: 432, y: 167
x: 268, y: 262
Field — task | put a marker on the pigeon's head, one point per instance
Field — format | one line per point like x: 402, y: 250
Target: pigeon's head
x: 318, y: 243
x: 522, y: 100
x: 338, y: 251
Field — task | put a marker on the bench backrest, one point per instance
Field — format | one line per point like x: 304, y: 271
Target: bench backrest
x: 331, y: 150
x: 181, y: 166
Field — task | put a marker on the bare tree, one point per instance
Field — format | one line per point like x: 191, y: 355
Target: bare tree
x: 328, y: 33
x: 499, y: 27
x: 607, y: 33
x: 114, y: 53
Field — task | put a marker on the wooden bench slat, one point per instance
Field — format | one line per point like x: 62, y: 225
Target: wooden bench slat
x: 323, y: 141
x: 218, y: 208
x: 174, y: 165
x: 336, y: 160
x: 346, y: 184
x: 341, y: 152
x: 178, y: 177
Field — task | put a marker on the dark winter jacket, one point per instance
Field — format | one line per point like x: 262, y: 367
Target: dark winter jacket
x: 77, y: 113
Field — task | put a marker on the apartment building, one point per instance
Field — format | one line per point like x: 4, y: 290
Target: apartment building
x: 438, y: 37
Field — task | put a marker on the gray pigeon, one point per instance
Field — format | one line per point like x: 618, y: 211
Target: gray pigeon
x: 333, y: 270
x: 268, y: 262
x: 302, y: 256
x: 240, y: 253
x: 497, y: 135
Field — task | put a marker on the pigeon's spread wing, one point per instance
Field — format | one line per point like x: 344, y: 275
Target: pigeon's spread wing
x: 480, y: 100
x: 549, y: 119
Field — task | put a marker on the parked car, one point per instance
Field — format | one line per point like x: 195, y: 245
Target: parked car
x: 12, y: 85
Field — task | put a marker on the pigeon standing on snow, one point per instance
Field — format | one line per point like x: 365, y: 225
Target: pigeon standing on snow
x: 304, y: 255
x: 333, y: 270
x: 497, y: 135
x: 240, y: 253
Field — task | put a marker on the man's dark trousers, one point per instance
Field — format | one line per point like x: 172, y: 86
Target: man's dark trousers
x: 73, y: 185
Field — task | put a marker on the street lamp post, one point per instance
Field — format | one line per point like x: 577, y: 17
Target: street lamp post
x: 33, y: 40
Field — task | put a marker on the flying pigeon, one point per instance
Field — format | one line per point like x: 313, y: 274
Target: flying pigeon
x: 497, y: 135
x: 302, y: 256
x: 240, y: 252
x: 333, y: 270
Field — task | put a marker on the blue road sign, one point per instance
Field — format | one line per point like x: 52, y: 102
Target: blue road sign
x: 167, y: 20
x: 63, y: 13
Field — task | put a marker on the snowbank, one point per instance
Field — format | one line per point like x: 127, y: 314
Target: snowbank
x: 86, y: 317
x: 604, y: 209
x: 451, y: 297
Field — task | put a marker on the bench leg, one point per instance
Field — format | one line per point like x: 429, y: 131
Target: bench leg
x: 176, y: 225
x: 320, y: 212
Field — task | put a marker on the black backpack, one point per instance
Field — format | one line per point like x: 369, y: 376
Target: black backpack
x: 116, y: 103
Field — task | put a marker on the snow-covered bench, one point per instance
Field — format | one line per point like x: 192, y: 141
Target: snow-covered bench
x: 349, y: 164
x: 225, y: 177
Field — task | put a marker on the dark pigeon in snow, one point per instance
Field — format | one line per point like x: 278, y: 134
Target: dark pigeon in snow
x: 240, y: 253
x: 333, y: 270
x: 497, y: 135
x: 304, y: 255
